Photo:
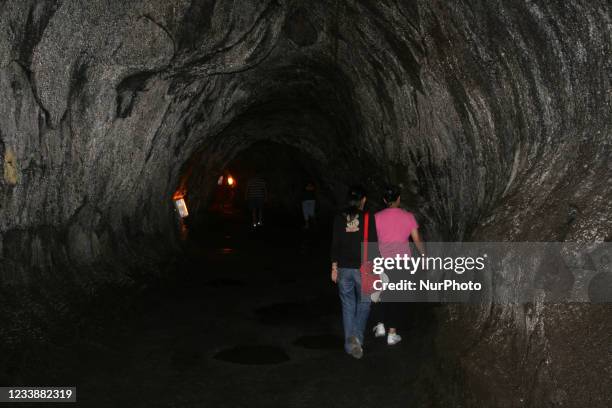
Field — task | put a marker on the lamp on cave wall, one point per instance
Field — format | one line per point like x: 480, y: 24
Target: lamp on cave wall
x: 181, y: 207
x: 230, y: 181
x: 179, y: 204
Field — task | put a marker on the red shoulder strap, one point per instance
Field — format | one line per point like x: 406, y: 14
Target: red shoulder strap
x: 366, y: 222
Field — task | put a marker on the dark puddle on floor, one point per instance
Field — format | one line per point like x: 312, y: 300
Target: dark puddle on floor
x: 253, y: 355
x: 319, y: 342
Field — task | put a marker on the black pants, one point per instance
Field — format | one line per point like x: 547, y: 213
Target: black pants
x: 387, y: 312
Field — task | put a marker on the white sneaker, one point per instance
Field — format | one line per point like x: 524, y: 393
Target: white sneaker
x: 393, y: 338
x: 379, y: 330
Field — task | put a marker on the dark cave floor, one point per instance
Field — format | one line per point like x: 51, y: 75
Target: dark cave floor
x: 249, y: 319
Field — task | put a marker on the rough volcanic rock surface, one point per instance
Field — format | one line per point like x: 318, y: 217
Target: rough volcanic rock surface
x: 495, y: 114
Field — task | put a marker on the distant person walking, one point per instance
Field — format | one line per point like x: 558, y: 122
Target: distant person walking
x: 309, y: 203
x: 346, y: 259
x: 256, y: 194
x: 394, y: 227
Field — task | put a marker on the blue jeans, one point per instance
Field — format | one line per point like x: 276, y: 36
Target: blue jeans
x: 308, y: 209
x: 355, y: 307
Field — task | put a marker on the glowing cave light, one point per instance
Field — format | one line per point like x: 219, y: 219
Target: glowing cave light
x: 181, y: 207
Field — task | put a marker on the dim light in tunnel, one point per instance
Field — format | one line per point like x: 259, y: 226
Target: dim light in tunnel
x: 230, y: 181
x: 181, y: 207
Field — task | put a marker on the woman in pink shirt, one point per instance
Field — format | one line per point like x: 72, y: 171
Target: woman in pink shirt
x: 394, y: 228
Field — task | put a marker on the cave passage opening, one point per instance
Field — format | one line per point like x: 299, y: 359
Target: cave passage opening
x: 286, y: 171
x: 303, y: 125
x: 305, y: 130
x: 494, y: 116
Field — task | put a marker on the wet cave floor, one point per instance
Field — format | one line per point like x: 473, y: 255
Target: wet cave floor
x: 248, y: 319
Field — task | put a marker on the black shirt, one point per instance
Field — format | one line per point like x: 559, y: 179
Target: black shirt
x: 256, y: 189
x: 347, y: 238
x: 308, y: 195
